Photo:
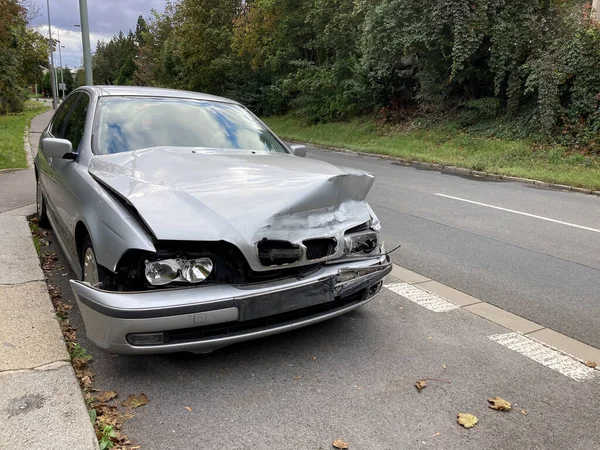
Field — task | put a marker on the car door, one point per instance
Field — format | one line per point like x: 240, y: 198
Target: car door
x: 47, y: 166
x: 67, y: 172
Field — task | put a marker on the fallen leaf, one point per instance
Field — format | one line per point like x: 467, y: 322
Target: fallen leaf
x: 420, y: 385
x: 359, y: 388
x: 297, y: 378
x: 135, y: 401
x: 436, y: 434
x: 466, y: 420
x: 338, y: 443
x: 443, y: 366
x: 591, y: 364
x: 428, y: 337
x: 314, y: 358
x: 523, y: 412
x: 106, y: 396
x: 188, y: 408
x: 499, y: 404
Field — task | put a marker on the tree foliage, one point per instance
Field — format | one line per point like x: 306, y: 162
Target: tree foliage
x: 23, y: 52
x: 537, y: 60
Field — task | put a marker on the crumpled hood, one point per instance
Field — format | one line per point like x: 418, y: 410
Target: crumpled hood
x: 236, y: 195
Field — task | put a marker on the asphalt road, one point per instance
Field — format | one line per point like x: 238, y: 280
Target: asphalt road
x: 352, y: 378
x: 545, y: 271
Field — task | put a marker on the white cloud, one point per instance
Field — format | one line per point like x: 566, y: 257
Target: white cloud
x: 70, y: 38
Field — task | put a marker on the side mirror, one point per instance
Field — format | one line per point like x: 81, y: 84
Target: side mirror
x: 57, y: 148
x: 298, y: 150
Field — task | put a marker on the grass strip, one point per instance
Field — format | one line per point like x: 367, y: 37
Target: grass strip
x: 12, y: 129
x: 447, y: 144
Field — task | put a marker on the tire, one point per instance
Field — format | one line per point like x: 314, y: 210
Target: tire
x: 40, y: 204
x: 91, y: 271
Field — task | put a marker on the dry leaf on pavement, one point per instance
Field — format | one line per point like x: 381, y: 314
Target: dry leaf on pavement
x: 523, y: 412
x: 466, y: 420
x: 106, y: 396
x: 188, y: 408
x: 591, y: 364
x: 134, y: 401
x: 499, y: 404
x: 420, y: 385
x: 338, y: 443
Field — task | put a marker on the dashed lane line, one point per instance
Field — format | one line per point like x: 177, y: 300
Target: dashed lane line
x: 422, y: 297
x: 547, y: 219
x: 546, y: 356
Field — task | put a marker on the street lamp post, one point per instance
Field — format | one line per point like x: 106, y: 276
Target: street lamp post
x: 85, y: 40
x: 62, y: 81
x: 52, y: 71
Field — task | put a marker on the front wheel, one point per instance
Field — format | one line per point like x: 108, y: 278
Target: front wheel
x: 91, y: 272
x: 40, y: 203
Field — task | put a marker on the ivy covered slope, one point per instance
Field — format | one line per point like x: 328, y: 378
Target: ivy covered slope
x: 508, y: 68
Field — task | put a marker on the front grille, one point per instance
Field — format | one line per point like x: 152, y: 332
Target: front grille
x: 319, y: 248
x: 232, y: 328
x: 276, y: 253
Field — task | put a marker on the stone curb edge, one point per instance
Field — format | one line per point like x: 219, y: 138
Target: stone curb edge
x: 546, y: 336
x: 455, y: 170
x: 82, y: 435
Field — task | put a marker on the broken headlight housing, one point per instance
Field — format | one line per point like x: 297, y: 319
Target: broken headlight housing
x: 165, y: 271
x: 362, y: 240
x: 361, y: 243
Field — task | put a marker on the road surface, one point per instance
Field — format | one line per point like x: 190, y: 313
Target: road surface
x: 352, y: 378
x: 537, y: 257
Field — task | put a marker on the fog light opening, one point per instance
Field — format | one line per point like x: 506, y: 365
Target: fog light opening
x: 373, y: 290
x: 146, y: 338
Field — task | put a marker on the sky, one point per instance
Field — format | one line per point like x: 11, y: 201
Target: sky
x: 106, y: 18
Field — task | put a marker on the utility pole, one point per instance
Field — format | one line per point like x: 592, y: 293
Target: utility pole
x: 85, y: 40
x: 62, y: 80
x: 52, y: 71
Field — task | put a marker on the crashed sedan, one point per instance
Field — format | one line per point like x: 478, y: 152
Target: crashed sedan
x: 191, y: 226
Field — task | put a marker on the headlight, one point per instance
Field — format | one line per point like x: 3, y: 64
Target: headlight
x: 159, y: 273
x: 364, y: 242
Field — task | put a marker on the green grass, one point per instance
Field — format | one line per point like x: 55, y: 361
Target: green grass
x: 12, y: 129
x: 447, y: 144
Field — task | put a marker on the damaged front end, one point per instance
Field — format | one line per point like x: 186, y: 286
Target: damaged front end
x: 267, y: 243
x: 203, y: 317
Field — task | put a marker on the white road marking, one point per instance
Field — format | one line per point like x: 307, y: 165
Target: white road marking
x: 546, y: 356
x: 520, y: 212
x: 421, y: 297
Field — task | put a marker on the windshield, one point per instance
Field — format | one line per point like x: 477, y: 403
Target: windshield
x: 124, y: 124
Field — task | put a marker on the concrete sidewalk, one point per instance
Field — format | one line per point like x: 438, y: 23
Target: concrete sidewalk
x: 41, y: 403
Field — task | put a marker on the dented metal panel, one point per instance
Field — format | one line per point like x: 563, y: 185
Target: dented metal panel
x: 236, y: 195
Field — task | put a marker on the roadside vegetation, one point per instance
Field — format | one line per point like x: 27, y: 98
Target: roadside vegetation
x: 12, y: 130
x: 23, y: 53
x: 446, y: 143
x: 510, y: 87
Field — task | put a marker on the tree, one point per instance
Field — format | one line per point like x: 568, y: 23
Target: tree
x: 23, y: 52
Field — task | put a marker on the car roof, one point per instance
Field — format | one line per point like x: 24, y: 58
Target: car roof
x: 104, y: 91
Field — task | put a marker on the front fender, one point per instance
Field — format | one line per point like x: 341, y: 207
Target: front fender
x: 112, y: 228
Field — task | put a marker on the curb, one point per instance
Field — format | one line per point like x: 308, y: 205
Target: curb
x: 453, y: 169
x: 39, y: 391
x: 578, y: 350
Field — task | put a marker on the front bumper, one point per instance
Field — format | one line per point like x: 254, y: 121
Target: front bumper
x: 203, y: 318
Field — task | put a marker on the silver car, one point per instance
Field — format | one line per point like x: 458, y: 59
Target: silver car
x: 191, y: 226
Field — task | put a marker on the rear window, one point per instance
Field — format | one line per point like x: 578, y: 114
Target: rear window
x: 125, y: 124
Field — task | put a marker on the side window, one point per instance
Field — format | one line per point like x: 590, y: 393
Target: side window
x: 76, y: 121
x: 58, y: 121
